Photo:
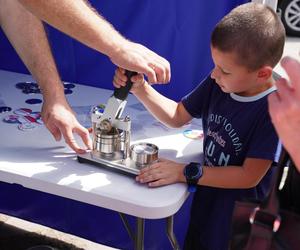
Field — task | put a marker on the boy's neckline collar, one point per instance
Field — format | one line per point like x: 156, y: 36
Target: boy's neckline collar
x: 252, y: 98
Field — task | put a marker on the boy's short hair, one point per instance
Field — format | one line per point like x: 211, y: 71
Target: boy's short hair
x: 254, y: 32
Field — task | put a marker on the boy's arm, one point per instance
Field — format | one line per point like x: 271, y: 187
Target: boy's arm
x: 165, y: 110
x: 247, y: 176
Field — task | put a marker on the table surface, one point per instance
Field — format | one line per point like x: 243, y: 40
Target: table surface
x: 35, y: 160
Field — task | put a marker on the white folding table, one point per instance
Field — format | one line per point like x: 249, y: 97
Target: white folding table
x: 36, y: 161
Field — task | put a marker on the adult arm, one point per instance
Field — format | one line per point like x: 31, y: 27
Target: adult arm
x: 26, y: 34
x: 80, y: 21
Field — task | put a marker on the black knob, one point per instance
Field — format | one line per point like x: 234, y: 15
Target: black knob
x: 122, y: 92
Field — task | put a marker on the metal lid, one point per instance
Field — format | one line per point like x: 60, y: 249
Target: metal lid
x: 144, y: 153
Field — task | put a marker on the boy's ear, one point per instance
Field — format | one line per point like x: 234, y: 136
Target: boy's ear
x: 264, y: 73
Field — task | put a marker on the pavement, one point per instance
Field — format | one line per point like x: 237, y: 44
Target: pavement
x: 17, y: 234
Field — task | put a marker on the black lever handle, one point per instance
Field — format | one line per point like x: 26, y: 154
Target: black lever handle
x: 122, y: 92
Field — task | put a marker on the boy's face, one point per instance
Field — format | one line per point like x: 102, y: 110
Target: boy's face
x: 232, y: 77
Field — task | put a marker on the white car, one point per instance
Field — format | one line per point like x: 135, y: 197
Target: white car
x: 289, y: 12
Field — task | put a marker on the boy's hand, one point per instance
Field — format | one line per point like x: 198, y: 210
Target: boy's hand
x: 162, y: 173
x: 120, y: 80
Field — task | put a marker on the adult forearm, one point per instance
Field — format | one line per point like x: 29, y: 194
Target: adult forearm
x: 26, y: 34
x: 80, y: 21
x: 162, y: 108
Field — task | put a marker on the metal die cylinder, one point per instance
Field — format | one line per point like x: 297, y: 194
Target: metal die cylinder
x: 144, y: 153
x: 108, y: 143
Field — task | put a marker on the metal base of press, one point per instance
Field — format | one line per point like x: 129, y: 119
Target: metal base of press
x: 112, y: 162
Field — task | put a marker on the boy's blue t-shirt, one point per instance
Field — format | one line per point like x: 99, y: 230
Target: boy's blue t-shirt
x: 235, y: 128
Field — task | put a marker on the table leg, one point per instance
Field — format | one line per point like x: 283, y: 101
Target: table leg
x: 140, y: 230
x: 127, y: 227
x: 138, y: 235
x: 170, y: 233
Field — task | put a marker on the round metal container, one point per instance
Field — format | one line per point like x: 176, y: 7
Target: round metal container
x: 144, y: 153
x: 109, y: 143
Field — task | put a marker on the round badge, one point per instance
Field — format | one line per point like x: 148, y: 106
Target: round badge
x: 39, y: 121
x: 11, y: 119
x: 33, y: 85
x: 68, y: 91
x: 29, y: 91
x: 4, y: 109
x: 36, y: 114
x: 34, y: 91
x: 27, y: 85
x: 33, y: 101
x: 193, y: 134
x: 22, y: 111
x: 22, y: 85
x: 29, y: 118
x: 26, y: 126
x: 22, y: 119
x: 69, y: 85
x: 34, y: 88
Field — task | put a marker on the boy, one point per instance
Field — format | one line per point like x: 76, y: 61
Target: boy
x: 240, y: 142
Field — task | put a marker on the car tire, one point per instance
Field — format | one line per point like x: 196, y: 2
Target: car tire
x: 290, y: 16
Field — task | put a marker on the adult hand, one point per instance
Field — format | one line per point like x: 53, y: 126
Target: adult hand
x: 136, y: 57
x: 60, y: 120
x: 284, y: 108
x: 162, y: 173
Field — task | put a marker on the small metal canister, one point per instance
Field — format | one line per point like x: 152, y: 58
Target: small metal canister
x: 144, y: 153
